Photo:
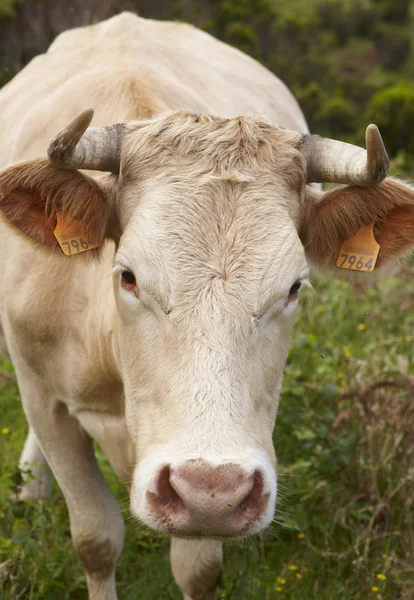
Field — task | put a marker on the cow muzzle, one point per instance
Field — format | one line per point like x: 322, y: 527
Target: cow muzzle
x: 199, y: 499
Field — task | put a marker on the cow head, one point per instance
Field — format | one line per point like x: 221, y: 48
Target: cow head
x: 214, y: 226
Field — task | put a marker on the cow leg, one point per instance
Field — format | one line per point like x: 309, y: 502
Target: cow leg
x: 196, y: 566
x: 96, y: 521
x: 40, y: 481
x: 112, y: 435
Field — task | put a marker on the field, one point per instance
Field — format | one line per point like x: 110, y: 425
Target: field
x: 344, y: 436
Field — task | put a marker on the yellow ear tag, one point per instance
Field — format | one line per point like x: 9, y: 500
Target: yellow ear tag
x: 73, y: 236
x: 360, y: 253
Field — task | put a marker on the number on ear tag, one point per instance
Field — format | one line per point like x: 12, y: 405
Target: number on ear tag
x: 72, y: 236
x: 359, y: 253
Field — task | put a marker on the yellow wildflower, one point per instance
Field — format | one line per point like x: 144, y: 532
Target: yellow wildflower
x: 340, y: 375
x: 301, y: 536
x: 375, y: 588
x: 384, y: 555
x: 346, y: 351
x: 362, y: 326
x: 281, y: 580
x: 321, y: 307
x: 299, y: 575
x: 5, y: 430
x: 293, y: 567
x: 279, y: 589
x: 381, y: 577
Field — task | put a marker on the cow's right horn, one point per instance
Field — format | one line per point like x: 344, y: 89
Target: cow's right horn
x: 97, y: 148
x: 337, y: 162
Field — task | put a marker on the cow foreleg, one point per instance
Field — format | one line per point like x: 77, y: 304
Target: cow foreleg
x: 96, y: 521
x: 36, y: 473
x: 196, y: 566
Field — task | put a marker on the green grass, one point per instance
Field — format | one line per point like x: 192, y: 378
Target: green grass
x: 344, y: 439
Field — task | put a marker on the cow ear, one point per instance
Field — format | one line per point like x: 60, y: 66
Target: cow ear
x: 340, y: 214
x: 34, y: 193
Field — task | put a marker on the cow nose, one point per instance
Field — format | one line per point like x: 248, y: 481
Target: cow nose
x: 197, y: 499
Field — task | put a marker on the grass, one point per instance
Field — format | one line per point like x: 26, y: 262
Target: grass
x: 344, y: 438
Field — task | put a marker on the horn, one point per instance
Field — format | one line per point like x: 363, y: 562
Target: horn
x: 337, y: 162
x: 97, y: 148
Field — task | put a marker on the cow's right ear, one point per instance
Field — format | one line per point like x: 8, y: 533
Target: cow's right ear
x: 385, y: 211
x: 32, y: 193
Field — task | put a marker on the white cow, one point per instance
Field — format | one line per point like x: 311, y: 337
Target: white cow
x: 166, y: 343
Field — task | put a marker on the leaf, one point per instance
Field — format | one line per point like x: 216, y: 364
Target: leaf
x: 21, y: 537
x: 31, y: 547
x: 41, y: 521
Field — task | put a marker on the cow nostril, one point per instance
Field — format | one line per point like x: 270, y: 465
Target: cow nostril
x: 252, y: 504
x: 166, y: 496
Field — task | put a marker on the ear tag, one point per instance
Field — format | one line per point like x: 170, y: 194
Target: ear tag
x: 359, y: 253
x: 73, y: 236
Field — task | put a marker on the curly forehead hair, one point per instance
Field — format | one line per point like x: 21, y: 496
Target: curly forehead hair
x: 225, y: 144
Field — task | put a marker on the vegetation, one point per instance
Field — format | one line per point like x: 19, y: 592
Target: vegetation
x: 344, y: 527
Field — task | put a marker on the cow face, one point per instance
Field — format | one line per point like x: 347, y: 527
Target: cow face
x: 211, y: 218
x: 207, y: 277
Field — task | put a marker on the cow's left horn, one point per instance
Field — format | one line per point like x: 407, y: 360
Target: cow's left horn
x: 337, y: 162
x: 77, y: 147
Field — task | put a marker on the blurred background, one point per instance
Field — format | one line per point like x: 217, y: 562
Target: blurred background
x: 344, y: 528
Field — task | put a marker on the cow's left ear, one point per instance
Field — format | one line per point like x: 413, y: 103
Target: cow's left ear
x: 34, y: 193
x: 334, y: 217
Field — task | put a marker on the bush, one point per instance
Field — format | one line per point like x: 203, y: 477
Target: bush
x: 348, y: 18
x: 7, y: 8
x: 394, y: 45
x: 393, y: 111
x: 242, y: 36
x: 310, y: 99
x: 395, y: 11
x: 336, y: 118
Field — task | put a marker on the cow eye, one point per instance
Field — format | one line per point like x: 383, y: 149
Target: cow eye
x: 294, y: 289
x: 128, y: 279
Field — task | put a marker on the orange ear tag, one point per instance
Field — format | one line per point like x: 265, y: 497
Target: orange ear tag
x: 360, y: 253
x: 73, y: 236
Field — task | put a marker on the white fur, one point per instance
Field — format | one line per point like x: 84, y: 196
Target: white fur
x: 291, y: 307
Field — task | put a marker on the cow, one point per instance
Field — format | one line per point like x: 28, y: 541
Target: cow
x: 151, y: 266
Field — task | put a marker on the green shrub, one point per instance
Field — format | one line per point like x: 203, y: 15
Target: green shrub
x: 310, y: 99
x: 395, y: 11
x: 7, y: 8
x: 242, y: 36
x: 347, y: 18
x: 393, y: 111
x: 393, y: 43
x: 335, y: 117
